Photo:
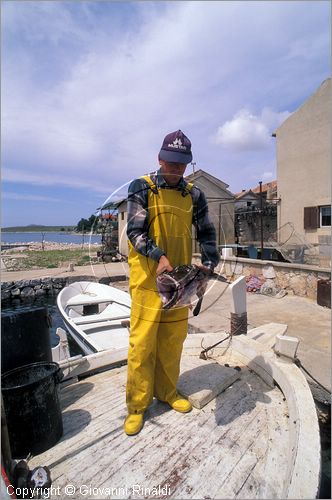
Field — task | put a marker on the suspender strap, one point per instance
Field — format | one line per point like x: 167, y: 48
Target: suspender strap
x: 154, y: 189
x: 152, y: 185
x: 187, y: 189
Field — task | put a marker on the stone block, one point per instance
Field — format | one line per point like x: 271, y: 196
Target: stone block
x: 204, y: 382
x: 297, y: 283
x: 27, y: 291
x: 40, y: 292
x: 282, y: 279
x: 58, y: 286
x: 269, y: 272
x: 266, y: 334
x: 35, y: 282
x: 281, y: 294
x: 16, y: 292
x: 237, y: 267
x: 286, y: 345
x: 6, y: 285
x: 269, y: 288
x: 47, y: 286
x: 5, y: 294
x: 228, y: 269
x: 47, y: 281
x: 59, y: 281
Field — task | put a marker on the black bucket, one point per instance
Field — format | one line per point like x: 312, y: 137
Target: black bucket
x: 32, y: 407
x: 25, y: 337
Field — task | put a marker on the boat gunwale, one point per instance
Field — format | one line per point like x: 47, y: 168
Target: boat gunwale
x: 305, y: 448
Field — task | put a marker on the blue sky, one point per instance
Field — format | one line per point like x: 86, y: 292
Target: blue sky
x: 89, y: 90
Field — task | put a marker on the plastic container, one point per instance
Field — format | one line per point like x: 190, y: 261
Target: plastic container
x: 227, y: 252
x: 32, y: 407
x: 324, y: 293
x: 25, y: 337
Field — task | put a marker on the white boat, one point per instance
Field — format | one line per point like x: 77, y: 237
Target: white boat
x: 96, y: 316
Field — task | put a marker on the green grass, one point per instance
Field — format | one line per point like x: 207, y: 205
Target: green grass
x: 52, y: 259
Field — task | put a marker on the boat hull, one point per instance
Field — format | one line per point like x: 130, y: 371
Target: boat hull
x: 96, y: 316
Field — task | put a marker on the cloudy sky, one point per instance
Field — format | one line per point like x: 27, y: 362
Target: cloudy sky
x: 89, y: 90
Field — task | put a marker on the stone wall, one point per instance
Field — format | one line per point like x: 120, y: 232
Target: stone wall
x: 296, y: 279
x: 29, y: 289
x: 39, y: 287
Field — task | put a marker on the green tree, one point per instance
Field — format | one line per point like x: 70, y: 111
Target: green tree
x: 82, y: 226
x: 85, y: 225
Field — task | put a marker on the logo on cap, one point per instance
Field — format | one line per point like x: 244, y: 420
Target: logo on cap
x: 177, y: 144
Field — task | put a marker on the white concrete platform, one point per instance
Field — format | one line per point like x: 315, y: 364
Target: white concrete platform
x: 201, y: 381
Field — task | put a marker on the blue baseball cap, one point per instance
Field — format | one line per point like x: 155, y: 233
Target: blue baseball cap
x: 176, y: 148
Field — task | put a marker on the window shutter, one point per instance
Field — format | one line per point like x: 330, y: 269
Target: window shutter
x: 311, y: 217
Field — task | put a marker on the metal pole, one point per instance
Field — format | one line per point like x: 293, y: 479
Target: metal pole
x: 219, y: 226
x: 261, y: 218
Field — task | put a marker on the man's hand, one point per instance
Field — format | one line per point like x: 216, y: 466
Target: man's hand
x: 163, y: 265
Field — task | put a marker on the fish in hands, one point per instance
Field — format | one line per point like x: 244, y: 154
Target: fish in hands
x: 178, y: 287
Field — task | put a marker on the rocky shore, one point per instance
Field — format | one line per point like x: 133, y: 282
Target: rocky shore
x: 48, y: 245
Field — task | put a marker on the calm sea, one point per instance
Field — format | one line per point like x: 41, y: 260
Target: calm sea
x: 55, y: 237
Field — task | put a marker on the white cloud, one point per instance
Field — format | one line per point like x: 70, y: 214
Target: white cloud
x: 248, y: 132
x: 266, y: 176
x: 245, y: 132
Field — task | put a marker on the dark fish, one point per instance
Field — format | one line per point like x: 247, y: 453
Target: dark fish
x: 178, y: 287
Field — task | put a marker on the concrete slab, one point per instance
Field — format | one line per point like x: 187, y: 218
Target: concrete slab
x: 266, y: 334
x: 204, y: 380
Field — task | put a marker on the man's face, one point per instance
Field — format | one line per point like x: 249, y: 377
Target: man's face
x: 172, y: 172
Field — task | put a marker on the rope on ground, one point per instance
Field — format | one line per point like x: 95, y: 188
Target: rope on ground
x: 203, y: 354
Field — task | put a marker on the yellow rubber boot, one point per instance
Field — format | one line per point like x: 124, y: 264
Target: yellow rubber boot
x: 133, y: 424
x: 181, y: 405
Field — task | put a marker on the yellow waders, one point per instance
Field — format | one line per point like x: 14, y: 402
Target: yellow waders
x: 157, y: 336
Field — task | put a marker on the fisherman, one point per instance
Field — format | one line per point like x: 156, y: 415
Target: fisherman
x: 161, y: 210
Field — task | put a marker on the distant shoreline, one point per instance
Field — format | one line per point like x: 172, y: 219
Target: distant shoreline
x: 48, y: 232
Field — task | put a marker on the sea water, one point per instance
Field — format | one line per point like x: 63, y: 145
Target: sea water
x: 59, y: 237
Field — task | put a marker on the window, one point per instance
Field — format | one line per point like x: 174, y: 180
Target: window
x: 325, y: 216
x: 311, y: 220
x: 122, y: 215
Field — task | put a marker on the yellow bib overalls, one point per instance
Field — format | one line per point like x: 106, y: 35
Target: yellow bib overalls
x: 157, y: 336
